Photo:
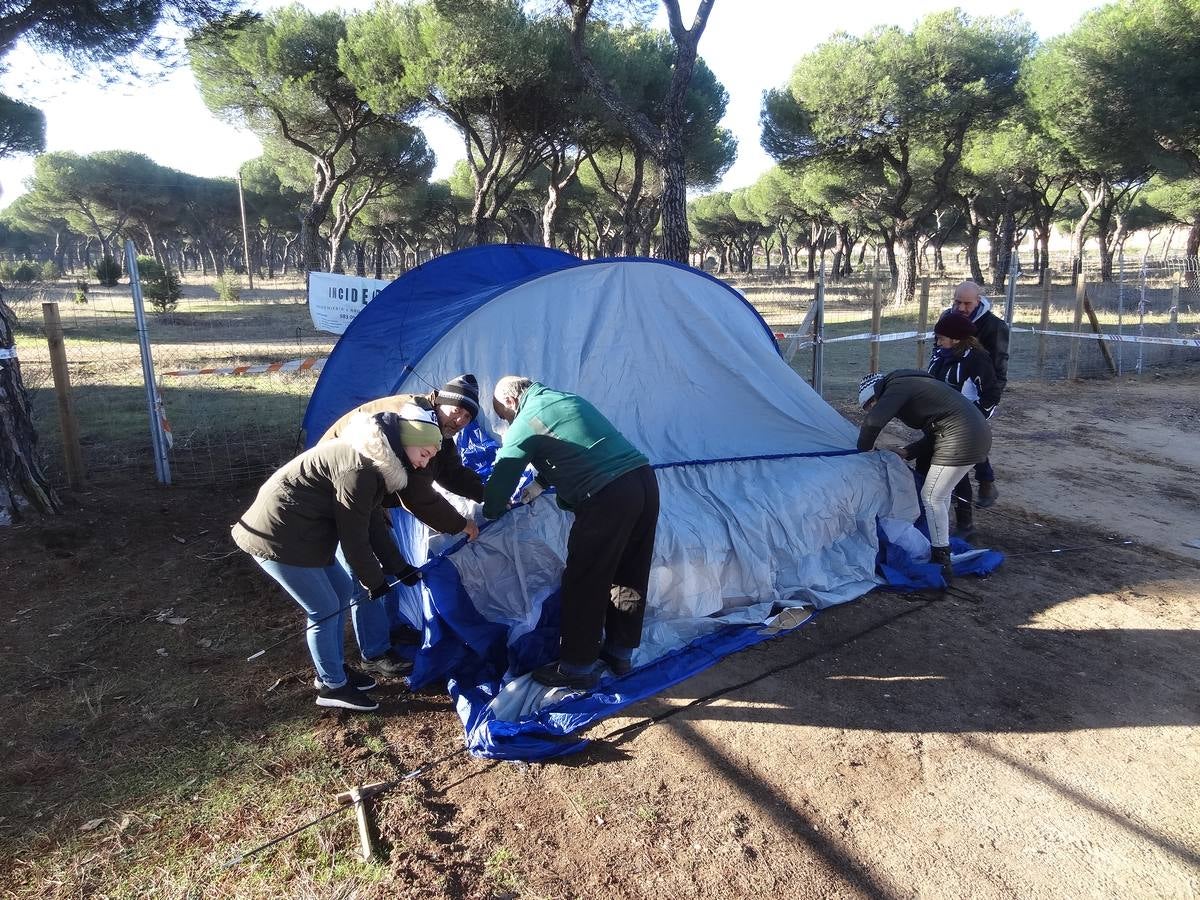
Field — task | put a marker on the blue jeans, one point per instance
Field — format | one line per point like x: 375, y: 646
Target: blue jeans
x: 320, y: 592
x: 372, y: 625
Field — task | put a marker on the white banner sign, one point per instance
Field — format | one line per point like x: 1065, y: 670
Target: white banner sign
x: 334, y: 300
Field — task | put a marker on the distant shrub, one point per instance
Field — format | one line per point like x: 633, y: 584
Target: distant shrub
x: 229, y: 288
x: 81, y: 294
x: 50, y: 271
x: 108, y: 272
x: 20, y: 272
x: 159, y: 284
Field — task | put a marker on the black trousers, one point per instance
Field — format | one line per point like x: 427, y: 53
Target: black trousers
x: 609, y: 553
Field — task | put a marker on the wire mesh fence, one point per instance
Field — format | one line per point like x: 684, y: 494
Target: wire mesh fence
x: 223, y: 427
x: 229, y: 427
x: 1132, y: 321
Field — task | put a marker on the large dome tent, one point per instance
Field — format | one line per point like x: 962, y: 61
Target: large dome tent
x: 767, y: 508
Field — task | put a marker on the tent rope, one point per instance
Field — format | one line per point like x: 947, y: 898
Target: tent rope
x: 378, y: 791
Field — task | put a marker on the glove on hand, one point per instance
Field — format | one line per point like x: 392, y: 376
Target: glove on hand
x: 380, y: 591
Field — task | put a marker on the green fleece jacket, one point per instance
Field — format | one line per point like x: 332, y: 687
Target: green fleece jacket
x: 573, y: 447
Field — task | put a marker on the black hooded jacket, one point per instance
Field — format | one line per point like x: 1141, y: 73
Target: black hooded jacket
x: 953, y: 425
x: 992, y: 332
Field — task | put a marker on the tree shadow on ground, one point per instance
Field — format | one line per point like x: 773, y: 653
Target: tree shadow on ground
x: 996, y: 656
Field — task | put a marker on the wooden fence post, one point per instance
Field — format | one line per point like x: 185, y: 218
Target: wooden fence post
x: 1044, y: 322
x: 1173, y: 316
x: 1091, y: 314
x: 876, y: 317
x: 1174, y: 311
x: 818, y: 336
x: 68, y: 424
x: 922, y: 322
x: 1080, y: 296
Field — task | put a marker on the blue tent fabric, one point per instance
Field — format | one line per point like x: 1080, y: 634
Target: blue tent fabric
x: 391, y: 334
x: 614, y: 330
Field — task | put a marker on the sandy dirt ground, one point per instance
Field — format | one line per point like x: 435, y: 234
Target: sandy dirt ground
x: 1034, y: 734
x: 1120, y: 455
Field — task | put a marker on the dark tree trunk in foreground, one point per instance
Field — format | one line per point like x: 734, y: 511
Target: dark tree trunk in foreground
x: 23, y: 485
x: 906, y: 274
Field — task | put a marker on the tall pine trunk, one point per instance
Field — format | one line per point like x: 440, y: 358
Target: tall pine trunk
x: 1004, y: 248
x: 1192, y: 278
x: 906, y: 283
x: 676, y: 239
x: 973, y: 253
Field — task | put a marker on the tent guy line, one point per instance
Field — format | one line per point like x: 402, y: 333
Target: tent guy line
x: 384, y: 788
x: 454, y: 548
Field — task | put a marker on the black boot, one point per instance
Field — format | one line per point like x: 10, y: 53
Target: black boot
x: 941, y: 556
x: 964, y: 518
x: 987, y: 494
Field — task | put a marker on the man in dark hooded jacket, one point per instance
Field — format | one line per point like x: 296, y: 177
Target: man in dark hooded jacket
x: 992, y: 332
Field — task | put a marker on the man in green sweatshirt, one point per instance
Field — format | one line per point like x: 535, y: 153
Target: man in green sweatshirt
x: 609, y: 486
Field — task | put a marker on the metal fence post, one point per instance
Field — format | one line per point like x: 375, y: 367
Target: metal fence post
x: 1121, y: 307
x: 1044, y: 322
x: 1173, y: 313
x: 1141, y: 323
x: 1010, y: 291
x: 158, y: 441
x: 818, y: 333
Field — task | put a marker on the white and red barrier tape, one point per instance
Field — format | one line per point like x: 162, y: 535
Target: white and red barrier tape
x: 1085, y: 335
x: 1117, y: 338
x: 862, y: 336
x: 308, y: 364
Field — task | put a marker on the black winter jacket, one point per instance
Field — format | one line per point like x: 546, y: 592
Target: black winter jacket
x: 971, y: 373
x: 992, y: 332
x: 953, y: 425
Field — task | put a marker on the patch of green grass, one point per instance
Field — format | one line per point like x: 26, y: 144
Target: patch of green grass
x: 375, y: 743
x: 501, y: 870
x: 648, y: 814
x: 191, y: 810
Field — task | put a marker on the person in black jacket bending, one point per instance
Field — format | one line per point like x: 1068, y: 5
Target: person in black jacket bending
x: 960, y: 361
x: 992, y: 332
x: 956, y: 437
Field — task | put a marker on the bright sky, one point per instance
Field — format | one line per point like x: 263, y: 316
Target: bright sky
x: 751, y: 45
